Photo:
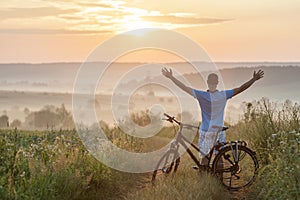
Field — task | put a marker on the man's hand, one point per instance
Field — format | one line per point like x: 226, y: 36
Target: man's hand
x: 167, y: 73
x: 258, y: 75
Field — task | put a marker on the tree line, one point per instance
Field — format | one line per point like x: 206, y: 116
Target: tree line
x: 49, y: 117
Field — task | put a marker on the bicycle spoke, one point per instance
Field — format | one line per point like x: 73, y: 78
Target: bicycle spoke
x: 236, y: 166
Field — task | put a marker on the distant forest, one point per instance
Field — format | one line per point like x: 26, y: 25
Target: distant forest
x: 49, y: 117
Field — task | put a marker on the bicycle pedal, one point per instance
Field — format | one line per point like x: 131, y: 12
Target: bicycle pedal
x: 195, y: 167
x: 164, y: 170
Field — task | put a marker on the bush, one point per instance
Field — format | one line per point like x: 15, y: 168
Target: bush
x: 272, y: 129
x: 280, y: 179
x: 55, y: 165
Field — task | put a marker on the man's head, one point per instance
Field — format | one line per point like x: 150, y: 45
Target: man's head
x: 212, y: 81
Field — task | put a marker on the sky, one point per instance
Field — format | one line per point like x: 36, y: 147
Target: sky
x: 37, y: 31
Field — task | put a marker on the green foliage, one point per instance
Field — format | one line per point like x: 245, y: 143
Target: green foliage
x: 281, y: 177
x: 273, y: 130
x: 54, y: 165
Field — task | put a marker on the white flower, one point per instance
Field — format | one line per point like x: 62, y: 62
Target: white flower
x: 273, y: 135
x: 23, y: 174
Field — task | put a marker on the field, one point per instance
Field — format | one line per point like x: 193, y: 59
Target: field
x: 54, y: 164
x: 38, y: 85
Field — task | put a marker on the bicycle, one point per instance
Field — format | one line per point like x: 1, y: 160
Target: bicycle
x: 234, y: 164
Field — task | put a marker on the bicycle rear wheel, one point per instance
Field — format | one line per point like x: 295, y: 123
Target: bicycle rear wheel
x: 236, y: 166
x: 167, y: 163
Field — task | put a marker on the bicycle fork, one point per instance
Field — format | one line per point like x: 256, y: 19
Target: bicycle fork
x: 235, y: 153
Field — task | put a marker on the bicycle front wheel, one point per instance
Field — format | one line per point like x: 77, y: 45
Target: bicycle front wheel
x: 167, y: 163
x: 236, y: 166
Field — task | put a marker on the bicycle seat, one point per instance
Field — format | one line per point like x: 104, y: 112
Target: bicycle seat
x: 221, y: 128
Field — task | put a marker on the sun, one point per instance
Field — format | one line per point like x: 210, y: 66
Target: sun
x: 136, y: 23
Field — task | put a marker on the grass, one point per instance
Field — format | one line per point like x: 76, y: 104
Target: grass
x: 272, y: 129
x: 55, y: 164
x: 187, y: 183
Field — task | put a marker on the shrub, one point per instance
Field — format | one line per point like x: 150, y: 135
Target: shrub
x: 272, y: 129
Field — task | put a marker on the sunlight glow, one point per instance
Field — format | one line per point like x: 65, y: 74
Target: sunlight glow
x: 134, y: 21
x: 129, y: 25
x: 223, y: 27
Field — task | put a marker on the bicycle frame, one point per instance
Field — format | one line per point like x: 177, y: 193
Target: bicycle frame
x: 229, y: 163
x: 180, y: 139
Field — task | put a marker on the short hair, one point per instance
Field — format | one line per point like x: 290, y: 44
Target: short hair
x: 212, y: 78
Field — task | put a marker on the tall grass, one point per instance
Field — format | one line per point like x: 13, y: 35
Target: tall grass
x: 186, y: 183
x: 55, y: 165
x: 272, y: 129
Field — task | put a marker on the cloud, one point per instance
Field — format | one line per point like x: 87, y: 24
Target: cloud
x: 33, y: 12
x: 50, y: 31
x: 92, y: 17
x: 183, y: 20
x: 99, y: 5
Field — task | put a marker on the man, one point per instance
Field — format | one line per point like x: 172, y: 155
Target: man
x: 212, y: 103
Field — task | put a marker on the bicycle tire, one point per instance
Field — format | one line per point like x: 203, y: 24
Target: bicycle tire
x: 168, y: 162
x: 236, y: 167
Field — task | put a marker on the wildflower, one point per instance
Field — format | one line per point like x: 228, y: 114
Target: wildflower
x: 292, y: 132
x: 23, y: 174
x: 282, y: 142
x: 274, y: 135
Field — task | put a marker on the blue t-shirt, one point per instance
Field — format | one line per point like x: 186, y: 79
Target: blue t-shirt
x: 212, y: 107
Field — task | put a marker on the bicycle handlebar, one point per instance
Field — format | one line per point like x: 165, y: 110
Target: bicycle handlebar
x: 171, y: 119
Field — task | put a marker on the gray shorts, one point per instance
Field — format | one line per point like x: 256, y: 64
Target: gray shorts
x: 208, y: 139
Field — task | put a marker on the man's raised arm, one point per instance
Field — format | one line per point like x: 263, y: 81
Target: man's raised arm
x: 169, y: 74
x: 256, y: 76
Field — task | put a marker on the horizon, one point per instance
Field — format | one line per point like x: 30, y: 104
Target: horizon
x: 44, y: 43
x: 35, y: 85
x: 140, y: 62
x: 33, y: 91
x: 60, y: 77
